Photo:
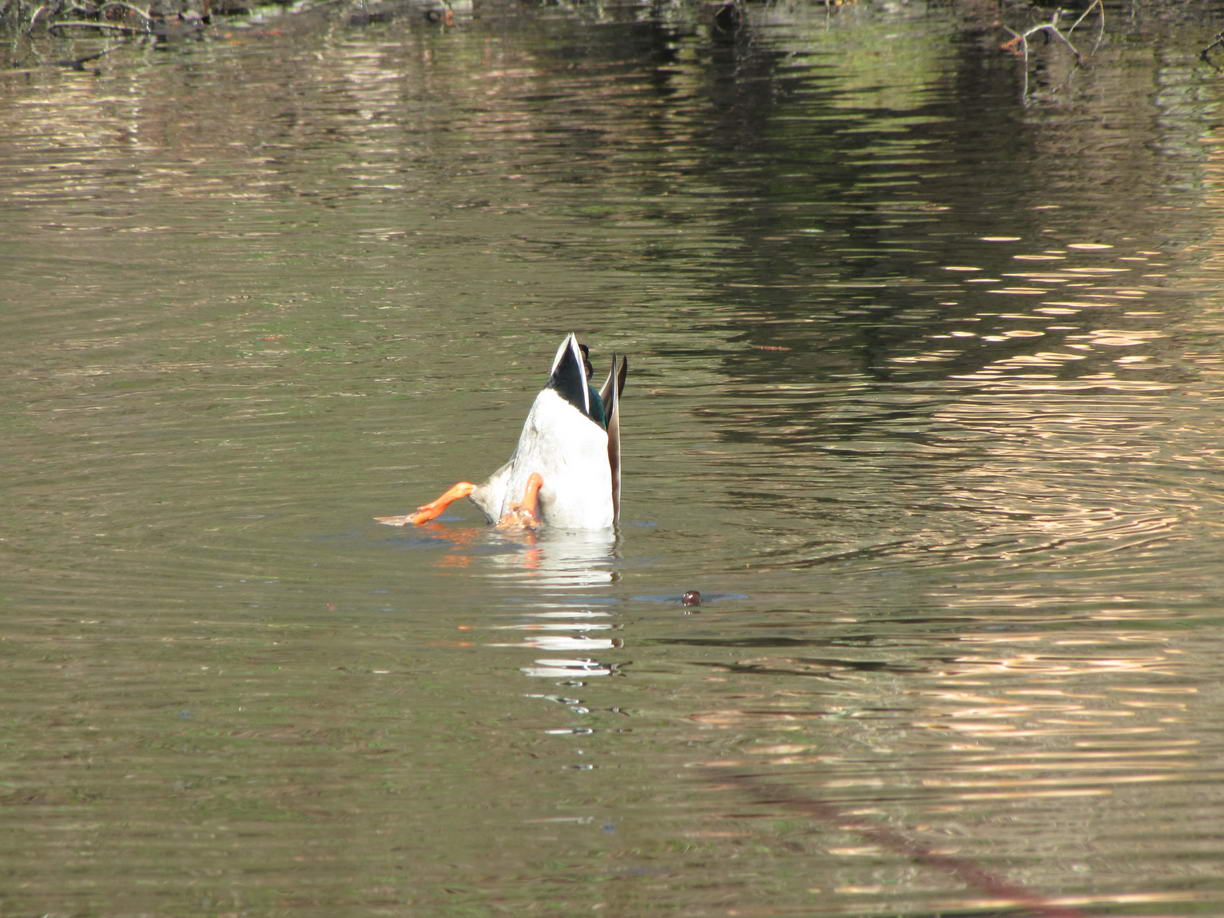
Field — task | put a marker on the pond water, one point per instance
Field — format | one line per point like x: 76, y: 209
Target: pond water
x: 925, y: 398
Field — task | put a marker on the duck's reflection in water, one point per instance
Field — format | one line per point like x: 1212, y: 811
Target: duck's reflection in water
x: 565, y: 613
x: 544, y: 560
x: 552, y: 610
x: 562, y: 612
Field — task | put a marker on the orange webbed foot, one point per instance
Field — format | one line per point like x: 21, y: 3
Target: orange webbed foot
x: 525, y: 514
x: 433, y: 509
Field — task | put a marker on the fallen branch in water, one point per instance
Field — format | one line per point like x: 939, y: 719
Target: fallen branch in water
x: 1205, y: 54
x: 73, y: 63
x: 77, y: 63
x: 103, y: 26
x: 1021, y: 39
x: 1019, y: 42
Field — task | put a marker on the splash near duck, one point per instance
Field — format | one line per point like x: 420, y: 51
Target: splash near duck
x: 565, y: 471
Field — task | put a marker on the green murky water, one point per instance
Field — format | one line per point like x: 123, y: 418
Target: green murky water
x: 926, y: 400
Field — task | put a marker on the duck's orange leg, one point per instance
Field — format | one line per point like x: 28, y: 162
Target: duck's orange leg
x: 433, y: 509
x: 525, y: 514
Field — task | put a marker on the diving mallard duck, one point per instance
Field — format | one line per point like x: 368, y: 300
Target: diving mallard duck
x: 565, y: 471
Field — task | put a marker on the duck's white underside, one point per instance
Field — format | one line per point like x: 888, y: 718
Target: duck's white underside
x: 570, y: 452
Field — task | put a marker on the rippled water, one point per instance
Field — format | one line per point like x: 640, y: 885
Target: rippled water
x: 925, y: 399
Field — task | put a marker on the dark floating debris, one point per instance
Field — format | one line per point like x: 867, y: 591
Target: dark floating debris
x: 691, y: 598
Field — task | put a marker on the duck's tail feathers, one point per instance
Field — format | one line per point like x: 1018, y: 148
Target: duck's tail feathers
x: 610, y: 392
x: 568, y: 375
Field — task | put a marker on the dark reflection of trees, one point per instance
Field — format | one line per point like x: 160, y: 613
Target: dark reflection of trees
x: 841, y: 217
x: 837, y: 209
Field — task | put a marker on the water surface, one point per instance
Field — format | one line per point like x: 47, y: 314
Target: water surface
x: 925, y: 400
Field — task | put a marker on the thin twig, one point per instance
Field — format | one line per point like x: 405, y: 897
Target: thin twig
x: 1205, y: 54
x: 1050, y: 28
x: 1099, y: 5
x: 34, y: 18
x: 1053, y: 30
x: 1084, y: 15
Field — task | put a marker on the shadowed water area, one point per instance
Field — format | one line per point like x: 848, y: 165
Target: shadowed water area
x: 926, y: 398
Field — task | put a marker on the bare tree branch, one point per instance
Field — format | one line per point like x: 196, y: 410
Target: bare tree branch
x: 1019, y: 41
